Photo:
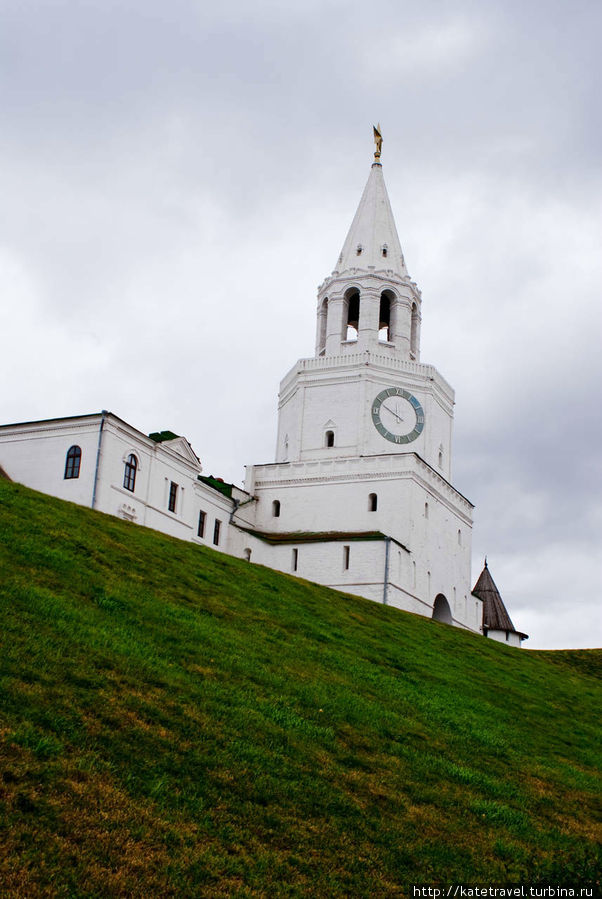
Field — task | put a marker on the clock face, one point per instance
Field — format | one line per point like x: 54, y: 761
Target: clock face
x: 397, y: 415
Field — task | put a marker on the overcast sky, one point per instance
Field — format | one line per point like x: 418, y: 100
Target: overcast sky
x: 176, y: 178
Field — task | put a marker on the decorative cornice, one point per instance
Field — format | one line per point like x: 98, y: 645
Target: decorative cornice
x: 375, y: 361
x: 361, y: 274
x: 51, y: 427
x: 362, y: 468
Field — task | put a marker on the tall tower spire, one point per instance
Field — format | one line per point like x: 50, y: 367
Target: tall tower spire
x: 370, y: 302
x: 372, y: 241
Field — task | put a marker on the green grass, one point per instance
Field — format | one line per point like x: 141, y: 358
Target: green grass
x: 174, y: 722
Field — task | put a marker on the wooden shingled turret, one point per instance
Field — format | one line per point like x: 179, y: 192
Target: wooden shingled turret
x: 497, y: 623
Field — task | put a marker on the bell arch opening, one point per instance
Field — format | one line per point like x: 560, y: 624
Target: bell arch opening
x: 384, y: 317
x: 352, y: 317
x: 441, y: 610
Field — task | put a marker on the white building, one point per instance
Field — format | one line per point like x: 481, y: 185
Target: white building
x: 360, y: 495
x: 101, y: 461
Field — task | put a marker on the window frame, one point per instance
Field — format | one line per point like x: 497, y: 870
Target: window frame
x: 73, y: 461
x: 129, y: 472
x: 346, y: 557
x: 172, y: 499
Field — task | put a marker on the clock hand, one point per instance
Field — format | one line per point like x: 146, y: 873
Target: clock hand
x: 398, y: 417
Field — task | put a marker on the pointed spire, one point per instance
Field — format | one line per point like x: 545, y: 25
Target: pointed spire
x: 495, y: 614
x: 372, y: 241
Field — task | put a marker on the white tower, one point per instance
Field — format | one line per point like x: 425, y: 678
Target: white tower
x: 361, y: 485
x: 367, y: 339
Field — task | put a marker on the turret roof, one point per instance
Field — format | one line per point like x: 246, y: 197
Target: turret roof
x: 373, y: 231
x: 495, y: 614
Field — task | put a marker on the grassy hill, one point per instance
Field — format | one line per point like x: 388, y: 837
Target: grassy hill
x: 174, y: 722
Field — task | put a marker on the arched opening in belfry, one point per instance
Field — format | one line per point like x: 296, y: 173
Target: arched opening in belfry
x: 352, y: 318
x: 384, y: 317
x: 414, y: 331
x: 441, y: 610
x: 322, y: 324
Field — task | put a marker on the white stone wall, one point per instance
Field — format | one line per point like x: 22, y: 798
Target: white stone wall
x: 510, y: 638
x: 334, y: 496
x: 34, y: 453
x: 324, y: 563
x: 337, y: 393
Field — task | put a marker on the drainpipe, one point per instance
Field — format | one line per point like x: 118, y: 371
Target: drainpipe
x: 102, y: 424
x: 237, y: 506
x: 386, y: 584
x: 234, y: 509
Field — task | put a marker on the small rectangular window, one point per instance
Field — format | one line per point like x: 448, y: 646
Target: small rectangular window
x: 295, y: 559
x: 216, y: 530
x: 201, y: 528
x: 346, y: 554
x: 173, y: 496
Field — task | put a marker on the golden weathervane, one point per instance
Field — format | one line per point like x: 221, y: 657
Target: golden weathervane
x: 378, y: 140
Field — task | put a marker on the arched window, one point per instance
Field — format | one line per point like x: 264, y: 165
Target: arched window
x: 459, y: 538
x: 372, y: 502
x: 352, y: 298
x: 73, y: 462
x: 414, y: 332
x: 329, y: 438
x: 426, y: 510
x: 276, y: 508
x: 129, y: 474
x: 384, y: 318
